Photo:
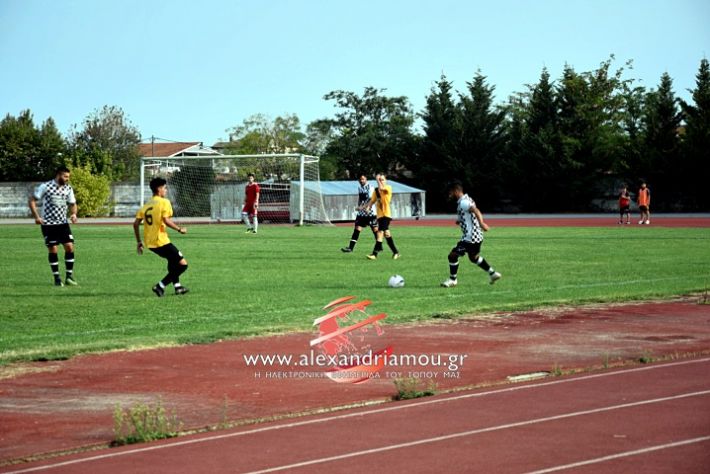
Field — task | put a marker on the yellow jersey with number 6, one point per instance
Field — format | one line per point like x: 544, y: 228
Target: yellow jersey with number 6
x: 152, y: 214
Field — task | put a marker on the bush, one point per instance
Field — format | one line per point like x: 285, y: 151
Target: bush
x: 92, y: 191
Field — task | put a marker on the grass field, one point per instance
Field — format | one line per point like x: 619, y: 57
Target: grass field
x: 278, y: 280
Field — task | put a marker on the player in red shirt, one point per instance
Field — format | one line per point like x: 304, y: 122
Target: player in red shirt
x: 624, y: 206
x: 251, y: 204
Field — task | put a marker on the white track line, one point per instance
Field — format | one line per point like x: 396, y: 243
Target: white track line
x: 358, y: 414
x: 477, y: 431
x: 622, y: 455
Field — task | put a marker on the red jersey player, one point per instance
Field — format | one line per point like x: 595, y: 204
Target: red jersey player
x: 251, y: 204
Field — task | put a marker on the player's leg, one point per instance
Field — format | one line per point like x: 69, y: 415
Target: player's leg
x: 474, y: 255
x: 648, y: 215
x: 245, y: 219
x: 178, y: 268
x: 378, y: 245
x: 642, y: 211
x: 255, y: 220
x: 69, y: 263
x: 621, y: 215
x: 53, y: 258
x: 454, y: 255
x: 391, y: 245
x: 354, y: 237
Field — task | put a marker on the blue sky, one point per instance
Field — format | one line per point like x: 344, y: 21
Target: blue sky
x: 190, y: 69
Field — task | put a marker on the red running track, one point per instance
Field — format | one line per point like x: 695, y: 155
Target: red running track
x: 645, y: 419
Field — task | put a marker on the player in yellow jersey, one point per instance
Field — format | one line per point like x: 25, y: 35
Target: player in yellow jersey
x: 381, y: 198
x: 156, y: 215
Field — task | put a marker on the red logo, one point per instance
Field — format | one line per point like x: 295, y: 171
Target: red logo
x: 350, y: 341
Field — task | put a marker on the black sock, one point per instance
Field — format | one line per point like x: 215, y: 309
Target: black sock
x: 481, y: 262
x: 453, y: 268
x: 378, y: 248
x: 175, y: 272
x: 353, y: 239
x: 167, y: 279
x: 390, y: 243
x: 69, y: 263
x: 54, y: 265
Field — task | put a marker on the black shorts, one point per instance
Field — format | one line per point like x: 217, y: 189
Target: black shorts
x: 624, y: 209
x: 364, y: 221
x: 168, y: 252
x: 383, y: 223
x: 470, y: 248
x: 643, y: 208
x: 57, y: 234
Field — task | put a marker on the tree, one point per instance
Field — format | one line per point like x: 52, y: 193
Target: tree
x: 437, y: 158
x: 371, y: 132
x: 696, y: 146
x: 662, y: 144
x: 108, y: 142
x: 258, y: 135
x: 482, y: 142
x: 26, y: 152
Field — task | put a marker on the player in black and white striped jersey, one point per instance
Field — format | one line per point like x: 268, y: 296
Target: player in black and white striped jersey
x: 472, y: 226
x: 366, y: 216
x: 56, y: 197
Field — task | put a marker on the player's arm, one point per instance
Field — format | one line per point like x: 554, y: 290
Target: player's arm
x: 33, y: 209
x: 479, y: 216
x: 72, y: 213
x: 137, y: 232
x: 256, y: 200
x: 169, y: 222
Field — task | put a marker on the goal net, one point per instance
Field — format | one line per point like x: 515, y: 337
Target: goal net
x: 213, y: 188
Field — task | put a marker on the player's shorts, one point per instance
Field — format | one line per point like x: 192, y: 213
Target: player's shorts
x: 168, y: 252
x: 364, y: 221
x: 624, y: 209
x: 57, y: 234
x: 383, y: 223
x: 643, y: 208
x: 470, y: 248
x: 249, y: 209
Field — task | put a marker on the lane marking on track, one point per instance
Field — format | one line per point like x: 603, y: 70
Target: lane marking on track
x: 356, y: 414
x: 635, y: 452
x: 477, y: 431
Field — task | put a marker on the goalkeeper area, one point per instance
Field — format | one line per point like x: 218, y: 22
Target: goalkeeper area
x: 214, y: 187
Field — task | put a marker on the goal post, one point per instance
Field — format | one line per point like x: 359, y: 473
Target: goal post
x: 212, y: 188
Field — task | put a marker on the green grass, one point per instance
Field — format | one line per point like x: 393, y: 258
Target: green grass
x: 278, y: 280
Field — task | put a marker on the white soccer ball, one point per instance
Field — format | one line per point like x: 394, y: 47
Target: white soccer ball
x: 396, y: 281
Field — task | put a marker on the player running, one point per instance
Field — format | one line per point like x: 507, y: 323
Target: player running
x: 55, y: 196
x: 471, y: 221
x: 365, y: 216
x: 156, y: 215
x: 381, y: 197
x: 251, y: 204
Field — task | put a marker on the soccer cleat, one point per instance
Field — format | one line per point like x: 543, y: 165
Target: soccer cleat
x: 647, y: 222
x: 159, y: 292
x: 449, y: 283
x: 181, y: 290
x: 253, y: 232
x: 628, y: 222
x: 395, y: 256
x: 620, y: 222
x: 494, y: 277
x: 58, y: 282
x: 640, y: 222
x: 372, y: 256
x: 346, y: 250
x: 71, y: 281
x: 248, y: 231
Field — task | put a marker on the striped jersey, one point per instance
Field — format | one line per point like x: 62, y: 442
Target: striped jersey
x: 470, y: 227
x: 55, y: 200
x: 363, y: 197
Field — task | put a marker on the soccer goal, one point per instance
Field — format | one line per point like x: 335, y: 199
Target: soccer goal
x: 213, y: 187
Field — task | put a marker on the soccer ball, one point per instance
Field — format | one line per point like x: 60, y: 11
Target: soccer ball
x: 396, y: 281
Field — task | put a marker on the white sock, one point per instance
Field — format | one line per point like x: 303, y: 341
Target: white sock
x: 256, y: 223
x: 245, y: 218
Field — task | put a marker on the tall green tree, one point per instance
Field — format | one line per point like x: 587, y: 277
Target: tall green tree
x: 28, y: 153
x: 371, y: 132
x: 662, y: 145
x: 258, y: 134
x: 108, y: 142
x: 696, y: 146
x: 482, y: 142
x: 438, y: 158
